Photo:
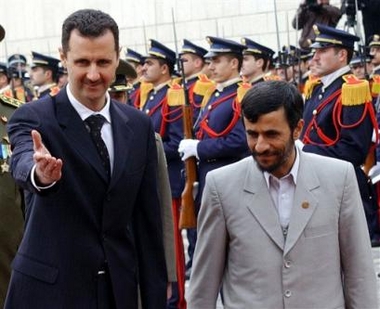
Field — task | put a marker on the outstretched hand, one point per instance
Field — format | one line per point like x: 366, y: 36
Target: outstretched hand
x: 48, y: 168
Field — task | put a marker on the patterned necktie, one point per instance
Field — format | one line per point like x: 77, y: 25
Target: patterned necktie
x: 94, y: 124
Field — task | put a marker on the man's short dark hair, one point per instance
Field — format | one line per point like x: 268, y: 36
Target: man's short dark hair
x: 239, y: 57
x: 89, y: 23
x: 168, y: 63
x: 269, y: 96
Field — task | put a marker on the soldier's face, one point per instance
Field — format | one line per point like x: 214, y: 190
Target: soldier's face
x: 190, y: 66
x: 38, y: 76
x: 251, y: 66
x: 153, y: 71
x: 91, y: 64
x: 375, y: 53
x: 327, y: 60
x: 358, y: 70
x: 223, y: 68
x: 271, y: 142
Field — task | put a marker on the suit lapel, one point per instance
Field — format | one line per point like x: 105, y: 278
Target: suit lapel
x: 75, y: 131
x: 259, y: 202
x: 122, y: 141
x: 305, y: 201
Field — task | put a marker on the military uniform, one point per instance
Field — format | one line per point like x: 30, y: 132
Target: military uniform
x: 219, y: 129
x: 165, y: 112
x: 338, y: 123
x: 11, y: 218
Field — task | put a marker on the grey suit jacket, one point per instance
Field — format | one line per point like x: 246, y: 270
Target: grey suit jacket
x: 325, y: 262
x: 165, y: 197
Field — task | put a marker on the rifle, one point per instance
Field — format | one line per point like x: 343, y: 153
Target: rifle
x: 187, y: 217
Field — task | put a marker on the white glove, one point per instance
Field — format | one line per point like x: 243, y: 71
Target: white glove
x: 188, y: 148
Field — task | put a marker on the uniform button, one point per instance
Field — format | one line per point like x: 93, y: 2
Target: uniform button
x: 287, y: 294
x: 315, y: 112
x: 287, y: 264
x: 151, y: 97
x: 147, y: 111
x: 320, y: 97
x: 209, y: 107
x: 217, y: 94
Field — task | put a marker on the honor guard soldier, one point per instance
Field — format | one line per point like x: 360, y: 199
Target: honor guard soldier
x: 5, y: 87
x: 44, y: 74
x: 339, y: 116
x: 197, y: 82
x: 256, y: 59
x: 165, y: 109
x: 11, y: 219
x: 374, y: 51
x: 220, y: 136
x: 134, y: 94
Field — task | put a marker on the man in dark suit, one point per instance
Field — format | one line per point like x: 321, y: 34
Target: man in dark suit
x: 93, y: 225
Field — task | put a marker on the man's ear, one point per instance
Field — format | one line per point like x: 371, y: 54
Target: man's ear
x: 298, y: 129
x: 62, y: 56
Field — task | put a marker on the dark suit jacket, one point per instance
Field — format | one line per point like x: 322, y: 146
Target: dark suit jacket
x: 81, y: 222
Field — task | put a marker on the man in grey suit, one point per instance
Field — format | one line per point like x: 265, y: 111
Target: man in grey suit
x: 283, y: 228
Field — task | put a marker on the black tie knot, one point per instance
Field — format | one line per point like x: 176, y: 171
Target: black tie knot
x: 94, y: 125
x: 95, y: 122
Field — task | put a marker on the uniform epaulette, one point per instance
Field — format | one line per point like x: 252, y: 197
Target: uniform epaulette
x: 145, y: 88
x: 355, y: 91
x: 242, y: 90
x: 271, y: 77
x: 175, y: 95
x: 8, y: 93
x: 54, y: 90
x: 10, y: 101
x: 375, y: 88
x: 20, y: 94
x: 202, y: 84
x: 208, y: 95
x: 176, y: 80
x: 311, y: 82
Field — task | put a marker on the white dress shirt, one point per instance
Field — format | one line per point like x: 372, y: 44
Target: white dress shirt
x: 282, y: 192
x: 85, y: 112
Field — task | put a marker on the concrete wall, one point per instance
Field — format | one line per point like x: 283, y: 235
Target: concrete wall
x: 36, y: 25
